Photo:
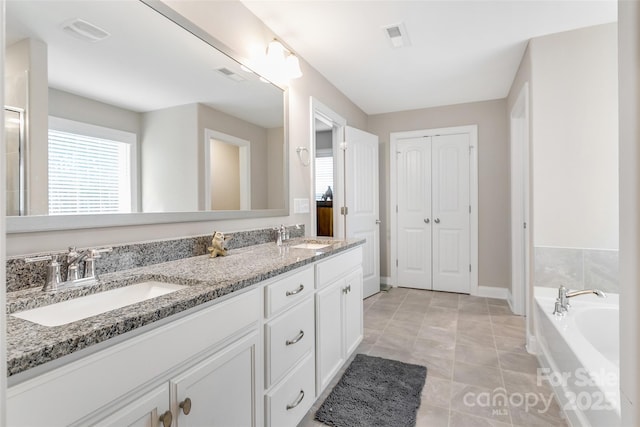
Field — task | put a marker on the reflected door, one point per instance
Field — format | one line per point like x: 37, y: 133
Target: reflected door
x: 14, y: 137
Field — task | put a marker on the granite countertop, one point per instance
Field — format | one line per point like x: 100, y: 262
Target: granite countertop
x: 30, y: 344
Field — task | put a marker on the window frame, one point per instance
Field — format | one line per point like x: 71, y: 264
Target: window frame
x: 94, y: 131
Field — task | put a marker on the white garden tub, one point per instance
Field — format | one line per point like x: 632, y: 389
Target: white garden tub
x: 580, y: 356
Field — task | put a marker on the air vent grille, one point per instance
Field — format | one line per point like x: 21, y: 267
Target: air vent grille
x: 397, y: 35
x: 84, y: 30
x: 230, y: 74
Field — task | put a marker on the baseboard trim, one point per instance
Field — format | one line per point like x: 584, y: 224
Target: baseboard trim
x: 492, y: 292
x: 385, y: 280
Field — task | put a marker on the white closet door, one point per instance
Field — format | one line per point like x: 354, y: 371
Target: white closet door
x: 451, y: 216
x: 413, y: 159
x: 361, y: 198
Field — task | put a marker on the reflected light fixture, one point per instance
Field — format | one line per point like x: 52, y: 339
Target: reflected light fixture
x: 281, y: 65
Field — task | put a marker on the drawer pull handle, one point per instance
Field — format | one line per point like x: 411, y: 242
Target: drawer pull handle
x: 346, y: 289
x: 166, y: 419
x: 297, y: 291
x: 297, y: 402
x: 296, y: 338
x: 185, y: 405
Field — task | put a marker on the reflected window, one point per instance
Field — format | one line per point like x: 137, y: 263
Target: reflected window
x: 324, y: 173
x: 91, y: 169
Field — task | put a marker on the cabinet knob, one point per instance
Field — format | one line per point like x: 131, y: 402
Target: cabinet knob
x: 185, y: 405
x: 297, y: 291
x: 297, y: 401
x: 437, y: 220
x: 426, y: 220
x: 166, y: 419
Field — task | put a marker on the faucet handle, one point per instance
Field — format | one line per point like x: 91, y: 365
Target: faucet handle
x: 54, y: 278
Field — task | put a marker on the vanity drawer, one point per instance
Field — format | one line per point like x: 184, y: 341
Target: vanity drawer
x: 288, y: 403
x: 287, y: 339
x: 337, y: 267
x: 288, y: 291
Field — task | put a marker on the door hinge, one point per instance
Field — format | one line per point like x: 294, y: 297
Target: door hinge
x: 396, y: 208
x: 469, y: 208
x: 469, y: 268
x: 524, y: 225
x: 344, y: 210
x: 396, y: 263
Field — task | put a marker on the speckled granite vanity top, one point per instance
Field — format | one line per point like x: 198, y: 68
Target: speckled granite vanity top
x: 30, y: 345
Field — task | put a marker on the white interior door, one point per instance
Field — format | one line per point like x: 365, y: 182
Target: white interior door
x: 451, y: 211
x: 361, y: 200
x: 413, y: 160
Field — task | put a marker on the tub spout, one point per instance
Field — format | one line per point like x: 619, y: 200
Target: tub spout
x: 562, y: 302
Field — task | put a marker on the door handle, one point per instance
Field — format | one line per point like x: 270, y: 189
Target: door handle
x: 426, y: 220
x: 378, y: 221
x: 437, y: 220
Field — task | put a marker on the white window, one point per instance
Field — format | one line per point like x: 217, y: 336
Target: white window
x: 92, y: 169
x: 324, y: 172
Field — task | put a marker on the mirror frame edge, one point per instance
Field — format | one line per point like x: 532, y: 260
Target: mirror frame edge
x: 40, y: 223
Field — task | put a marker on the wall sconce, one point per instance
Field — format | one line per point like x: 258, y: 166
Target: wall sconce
x: 281, y: 65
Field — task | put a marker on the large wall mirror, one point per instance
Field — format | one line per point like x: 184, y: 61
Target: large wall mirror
x: 121, y: 116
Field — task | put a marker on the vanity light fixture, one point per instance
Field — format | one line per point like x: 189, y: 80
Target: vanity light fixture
x: 281, y: 65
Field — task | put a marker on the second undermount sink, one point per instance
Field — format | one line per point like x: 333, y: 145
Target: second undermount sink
x: 310, y: 246
x: 80, y: 308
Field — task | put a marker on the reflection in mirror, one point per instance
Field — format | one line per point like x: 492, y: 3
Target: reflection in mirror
x: 140, y: 100
x: 14, y: 141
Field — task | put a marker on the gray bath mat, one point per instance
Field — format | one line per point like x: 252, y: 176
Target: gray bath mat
x: 375, y: 392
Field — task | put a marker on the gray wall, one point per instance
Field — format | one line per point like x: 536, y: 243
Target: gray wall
x: 493, y: 178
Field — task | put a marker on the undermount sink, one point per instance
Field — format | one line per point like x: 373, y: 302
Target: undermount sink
x: 310, y: 246
x: 80, y: 308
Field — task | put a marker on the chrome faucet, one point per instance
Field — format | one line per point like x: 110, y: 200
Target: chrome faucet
x: 74, y: 258
x: 281, y: 235
x: 562, y: 302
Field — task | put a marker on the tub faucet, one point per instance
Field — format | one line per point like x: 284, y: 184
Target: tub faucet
x: 562, y: 302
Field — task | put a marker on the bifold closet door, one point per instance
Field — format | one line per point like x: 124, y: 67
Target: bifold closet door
x: 433, y: 213
x: 451, y: 213
x: 414, y: 212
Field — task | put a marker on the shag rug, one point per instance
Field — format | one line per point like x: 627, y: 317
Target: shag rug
x: 375, y: 392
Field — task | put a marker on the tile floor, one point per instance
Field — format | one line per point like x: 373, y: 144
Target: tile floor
x: 478, y: 371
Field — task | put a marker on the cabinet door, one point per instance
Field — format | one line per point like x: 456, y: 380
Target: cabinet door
x: 221, y: 390
x: 329, y: 351
x: 352, y: 303
x: 143, y: 412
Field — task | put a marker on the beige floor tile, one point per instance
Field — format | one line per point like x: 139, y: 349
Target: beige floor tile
x: 402, y: 328
x: 519, y: 362
x: 483, y: 356
x: 432, y: 416
x: 503, y: 330
x: 480, y: 402
x: 481, y: 376
x: 475, y: 339
x: 437, y: 391
x: 395, y: 342
x: 426, y: 347
x: 458, y: 419
x: 447, y: 335
x: 436, y: 366
x: 514, y: 345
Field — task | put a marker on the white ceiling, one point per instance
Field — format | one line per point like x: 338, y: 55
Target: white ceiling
x: 461, y: 51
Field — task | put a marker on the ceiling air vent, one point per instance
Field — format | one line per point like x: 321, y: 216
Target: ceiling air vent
x: 230, y: 74
x: 397, y: 35
x: 84, y: 30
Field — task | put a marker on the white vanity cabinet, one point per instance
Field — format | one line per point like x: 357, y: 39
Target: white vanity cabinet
x: 338, y: 313
x: 289, y: 336
x: 137, y: 381
x: 257, y: 358
x: 218, y: 391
